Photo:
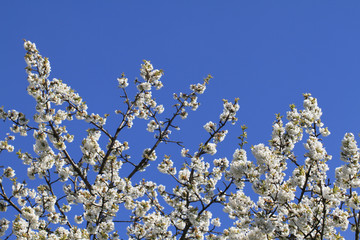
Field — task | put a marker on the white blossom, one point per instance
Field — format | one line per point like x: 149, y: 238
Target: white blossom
x: 210, y: 148
x: 123, y: 82
x: 99, y: 191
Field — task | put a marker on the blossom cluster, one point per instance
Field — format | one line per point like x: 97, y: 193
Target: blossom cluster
x: 268, y: 191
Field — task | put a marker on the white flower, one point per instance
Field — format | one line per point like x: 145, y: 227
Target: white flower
x: 29, y: 214
x: 216, y: 222
x: 159, y: 109
x: 78, y: 219
x: 240, y: 166
x: 29, y: 46
x: 145, y: 86
x: 9, y: 172
x: 198, y: 88
x: 220, y: 136
x: 183, y: 114
x: 148, y: 154
x: 184, y: 152
x: 210, y: 148
x: 152, y: 125
x: 184, y: 175
x: 4, y: 225
x: 41, y: 146
x: 315, y: 148
x: 324, y: 131
x: 210, y: 127
x: 123, y: 82
x: 145, y: 68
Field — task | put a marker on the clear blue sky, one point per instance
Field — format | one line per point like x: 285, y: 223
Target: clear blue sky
x: 267, y: 53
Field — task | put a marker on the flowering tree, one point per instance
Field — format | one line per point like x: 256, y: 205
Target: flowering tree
x: 303, y: 204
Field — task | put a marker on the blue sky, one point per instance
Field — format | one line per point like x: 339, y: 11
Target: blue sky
x: 267, y: 53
